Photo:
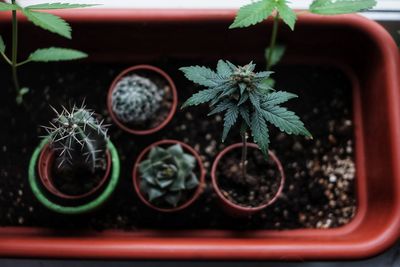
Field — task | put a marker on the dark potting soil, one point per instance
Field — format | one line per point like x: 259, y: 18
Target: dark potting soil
x: 257, y: 187
x: 320, y: 173
x: 78, y: 180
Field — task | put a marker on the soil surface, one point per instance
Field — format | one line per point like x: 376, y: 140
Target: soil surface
x: 78, y: 180
x: 260, y: 184
x: 320, y: 173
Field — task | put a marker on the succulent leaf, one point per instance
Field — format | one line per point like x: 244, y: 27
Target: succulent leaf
x: 167, y: 174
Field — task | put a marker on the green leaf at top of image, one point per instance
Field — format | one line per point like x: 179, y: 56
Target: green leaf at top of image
x: 49, y: 22
x: 2, y: 45
x: 286, y: 13
x: 56, y: 54
x: 7, y: 6
x: 276, y: 56
x: 335, y: 7
x: 58, y: 6
x: 253, y: 13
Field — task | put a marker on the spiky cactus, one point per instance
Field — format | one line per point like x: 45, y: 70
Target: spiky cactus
x: 136, y: 99
x: 78, y: 137
x: 167, y: 174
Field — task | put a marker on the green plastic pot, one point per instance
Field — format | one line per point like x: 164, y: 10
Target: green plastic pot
x: 84, y: 208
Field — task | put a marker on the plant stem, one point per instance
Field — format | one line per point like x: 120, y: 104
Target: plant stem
x: 14, y: 49
x: 244, y: 154
x: 273, y: 40
x: 23, y: 62
x: 6, y: 58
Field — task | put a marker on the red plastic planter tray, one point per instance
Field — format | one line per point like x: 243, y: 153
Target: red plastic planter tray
x: 360, y: 47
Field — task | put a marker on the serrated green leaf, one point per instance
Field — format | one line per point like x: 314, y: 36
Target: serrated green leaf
x: 201, y: 97
x: 231, y: 65
x: 270, y: 82
x: 286, y: 13
x: 335, y: 7
x: 253, y: 13
x: 49, y: 22
x: 242, y: 87
x: 2, y: 45
x: 7, y: 6
x: 56, y: 54
x: 263, y: 74
x: 276, y: 56
x: 57, y: 6
x: 223, y: 69
x: 260, y: 132
x: 230, y: 118
x: 200, y: 75
x: 276, y: 98
x: 250, y: 67
x: 243, y: 99
x: 255, y: 100
x: 244, y: 113
x: 285, y: 120
x: 220, y: 107
x: 228, y: 91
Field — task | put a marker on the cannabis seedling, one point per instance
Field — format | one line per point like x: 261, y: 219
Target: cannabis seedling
x: 167, y: 173
x: 46, y: 21
x: 136, y: 99
x: 77, y: 136
x: 258, y: 11
x: 243, y: 96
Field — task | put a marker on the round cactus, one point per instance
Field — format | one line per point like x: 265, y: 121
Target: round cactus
x: 136, y: 99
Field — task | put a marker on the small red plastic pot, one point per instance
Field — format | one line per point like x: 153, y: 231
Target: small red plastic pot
x: 233, y: 208
x: 45, y: 166
x: 136, y: 176
x: 173, y: 91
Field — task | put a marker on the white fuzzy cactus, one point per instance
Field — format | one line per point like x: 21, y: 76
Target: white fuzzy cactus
x: 136, y: 99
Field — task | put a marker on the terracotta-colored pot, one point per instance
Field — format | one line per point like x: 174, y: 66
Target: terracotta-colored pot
x: 45, y: 166
x: 360, y: 47
x: 233, y: 208
x: 137, y: 178
x: 173, y: 91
